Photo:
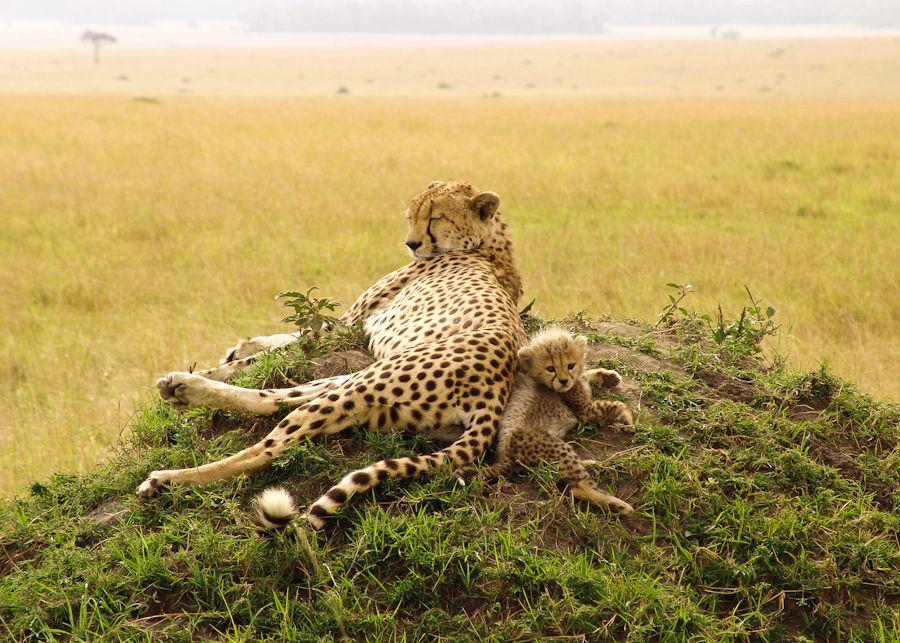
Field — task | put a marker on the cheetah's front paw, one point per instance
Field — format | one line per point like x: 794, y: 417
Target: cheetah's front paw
x: 152, y: 485
x: 244, y: 348
x: 250, y: 347
x: 604, y: 377
x: 625, y: 420
x: 181, y: 389
x: 610, y: 379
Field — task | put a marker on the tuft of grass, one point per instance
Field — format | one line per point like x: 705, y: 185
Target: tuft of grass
x: 766, y: 509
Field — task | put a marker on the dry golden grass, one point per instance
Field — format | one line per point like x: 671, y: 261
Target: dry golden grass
x: 141, y: 237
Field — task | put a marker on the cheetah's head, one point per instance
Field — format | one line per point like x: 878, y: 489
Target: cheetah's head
x: 450, y: 215
x: 555, y: 358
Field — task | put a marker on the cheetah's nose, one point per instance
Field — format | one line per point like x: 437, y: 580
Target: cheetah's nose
x: 413, y: 245
x: 563, y: 382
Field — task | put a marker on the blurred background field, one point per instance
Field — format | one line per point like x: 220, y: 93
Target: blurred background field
x: 153, y: 204
x: 807, y: 68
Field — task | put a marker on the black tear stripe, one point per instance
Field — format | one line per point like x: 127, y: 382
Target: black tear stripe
x: 428, y: 232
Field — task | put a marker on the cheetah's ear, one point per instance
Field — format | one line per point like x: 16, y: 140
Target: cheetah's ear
x: 485, y: 204
x: 433, y: 184
x: 581, y: 342
x: 526, y: 358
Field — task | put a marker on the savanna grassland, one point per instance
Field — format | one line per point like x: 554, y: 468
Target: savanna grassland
x: 152, y: 205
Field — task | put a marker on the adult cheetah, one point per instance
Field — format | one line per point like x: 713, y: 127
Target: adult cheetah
x: 444, y: 329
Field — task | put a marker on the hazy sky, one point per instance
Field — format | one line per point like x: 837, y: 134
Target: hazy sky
x: 868, y: 13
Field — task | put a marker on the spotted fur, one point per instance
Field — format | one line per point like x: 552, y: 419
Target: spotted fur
x: 552, y: 395
x: 445, y: 332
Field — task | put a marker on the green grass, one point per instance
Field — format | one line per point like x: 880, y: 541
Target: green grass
x: 766, y: 507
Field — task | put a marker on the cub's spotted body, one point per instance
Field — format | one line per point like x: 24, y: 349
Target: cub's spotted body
x: 552, y: 395
x: 445, y: 332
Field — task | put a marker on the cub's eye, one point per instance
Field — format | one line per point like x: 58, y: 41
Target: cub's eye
x: 571, y: 366
x: 551, y: 369
x: 435, y: 217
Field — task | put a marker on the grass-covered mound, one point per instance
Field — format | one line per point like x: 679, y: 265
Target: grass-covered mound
x: 766, y: 506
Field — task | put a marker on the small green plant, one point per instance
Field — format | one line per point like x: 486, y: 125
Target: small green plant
x: 667, y: 316
x: 745, y: 333
x: 309, y: 312
x: 754, y: 324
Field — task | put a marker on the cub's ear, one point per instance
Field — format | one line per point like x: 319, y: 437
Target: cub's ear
x: 433, y: 184
x: 526, y: 358
x: 485, y: 204
x: 581, y: 342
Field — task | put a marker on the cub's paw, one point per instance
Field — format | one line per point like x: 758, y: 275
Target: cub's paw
x: 604, y: 377
x: 181, y: 389
x: 618, y: 415
x: 152, y: 485
x: 610, y: 379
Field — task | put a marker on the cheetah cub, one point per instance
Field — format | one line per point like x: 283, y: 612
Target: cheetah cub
x: 551, y: 395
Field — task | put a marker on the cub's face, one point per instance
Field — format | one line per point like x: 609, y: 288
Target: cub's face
x: 449, y: 216
x: 554, y: 358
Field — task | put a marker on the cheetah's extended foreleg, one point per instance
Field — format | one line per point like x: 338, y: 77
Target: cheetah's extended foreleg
x: 187, y: 390
x: 504, y: 467
x: 240, y: 356
x: 571, y: 467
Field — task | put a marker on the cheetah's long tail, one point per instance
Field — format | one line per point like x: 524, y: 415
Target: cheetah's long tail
x: 469, y: 446
x: 274, y: 508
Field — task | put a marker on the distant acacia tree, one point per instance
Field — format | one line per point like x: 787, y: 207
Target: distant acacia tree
x: 98, y: 39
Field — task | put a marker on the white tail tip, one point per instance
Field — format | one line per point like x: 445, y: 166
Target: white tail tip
x: 274, y: 508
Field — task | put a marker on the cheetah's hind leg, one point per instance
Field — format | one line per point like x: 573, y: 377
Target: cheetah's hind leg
x: 502, y: 468
x: 305, y: 421
x: 585, y: 490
